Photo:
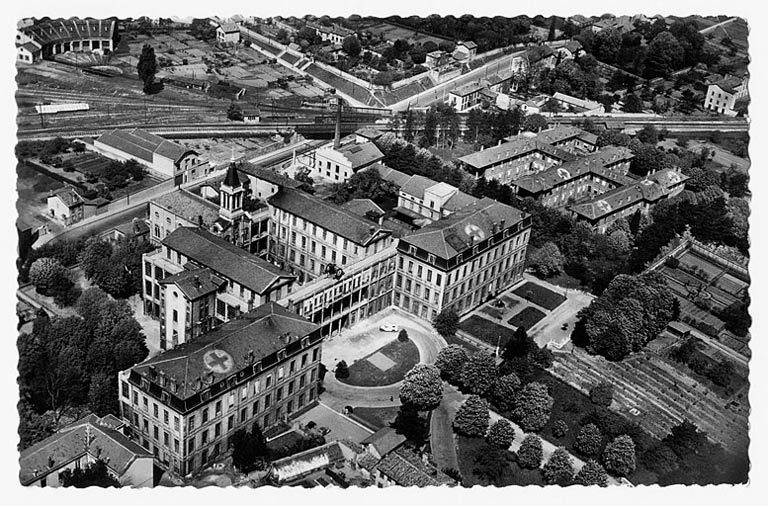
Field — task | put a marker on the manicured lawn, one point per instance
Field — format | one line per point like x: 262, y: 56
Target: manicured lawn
x: 364, y: 374
x: 493, y: 312
x: 486, y: 331
x: 511, y: 474
x: 540, y: 296
x: 375, y: 418
x: 461, y: 342
x: 526, y: 318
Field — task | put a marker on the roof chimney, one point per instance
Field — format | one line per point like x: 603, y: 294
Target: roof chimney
x: 337, y: 135
x: 197, y: 281
x: 200, y: 220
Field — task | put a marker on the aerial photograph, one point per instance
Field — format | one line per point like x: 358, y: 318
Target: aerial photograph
x: 402, y: 251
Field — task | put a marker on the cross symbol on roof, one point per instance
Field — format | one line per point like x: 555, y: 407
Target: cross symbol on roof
x: 218, y: 362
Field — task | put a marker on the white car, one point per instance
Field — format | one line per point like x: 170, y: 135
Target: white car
x: 388, y: 327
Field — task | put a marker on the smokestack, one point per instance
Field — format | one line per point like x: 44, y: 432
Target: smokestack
x: 337, y: 136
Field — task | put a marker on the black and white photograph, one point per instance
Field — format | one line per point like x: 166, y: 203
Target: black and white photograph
x: 343, y: 251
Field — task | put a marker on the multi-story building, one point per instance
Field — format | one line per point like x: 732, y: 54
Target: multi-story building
x: 466, y: 97
x: 228, y: 33
x: 625, y: 201
x: 57, y: 36
x: 569, y: 138
x: 339, y: 160
x: 587, y: 177
x: 514, y: 159
x: 461, y: 260
x: 184, y: 404
x: 431, y: 200
x: 722, y: 95
x: 197, y: 280
x: 314, y: 237
x: 334, y: 303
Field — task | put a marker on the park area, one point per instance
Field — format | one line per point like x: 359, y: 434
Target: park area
x: 385, y: 366
x: 477, y: 469
x: 539, y: 295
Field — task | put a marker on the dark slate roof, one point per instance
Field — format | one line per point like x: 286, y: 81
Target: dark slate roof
x: 29, y: 46
x: 565, y: 133
x: 406, y: 469
x: 261, y: 332
x: 142, y: 144
x: 225, y: 258
x: 231, y: 178
x: 450, y: 236
x: 468, y: 89
x: 331, y: 217
x: 189, y: 206
x: 468, y: 44
x: 308, y: 461
x: 195, y: 283
x: 416, y: 185
x: 361, y: 155
x: 362, y: 206
x: 620, y: 198
x: 728, y: 84
x: 267, y: 175
x: 369, y: 132
x: 69, y: 444
x: 393, y: 176
x: 592, y: 163
x: 513, y: 149
x: 538, y: 53
x: 229, y: 27
x: 384, y: 440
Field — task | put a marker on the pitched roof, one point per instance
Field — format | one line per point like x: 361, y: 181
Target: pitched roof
x: 142, y: 144
x: 406, y: 469
x: 393, y: 176
x: 308, y: 461
x: 384, y: 440
x: 229, y: 348
x: 267, y: 175
x: 513, y: 149
x: 416, y: 185
x: 331, y: 217
x: 468, y: 44
x: 69, y: 196
x: 728, y: 84
x: 225, y: 259
x: 361, y: 155
x: 620, y: 198
x: 65, y: 30
x: 458, y: 232
x: 30, y: 47
x: 231, y: 178
x: 468, y: 89
x: 537, y: 53
x: 362, y: 206
x: 190, y: 207
x: 229, y: 27
x: 576, y: 102
x: 89, y: 435
x: 564, y: 133
x: 369, y: 132
x: 195, y: 283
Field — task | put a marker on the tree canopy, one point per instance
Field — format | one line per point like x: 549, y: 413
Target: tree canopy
x: 147, y: 67
x: 479, y: 373
x: 422, y: 388
x: 532, y: 407
x: 472, y: 417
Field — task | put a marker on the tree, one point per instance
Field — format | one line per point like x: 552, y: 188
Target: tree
x: 342, y: 370
x: 721, y: 373
x: 535, y: 123
x: 102, y: 394
x: 501, y: 434
x: 365, y: 184
x: 665, y: 54
x: 589, y: 440
x: 33, y: 428
x: 530, y: 453
x: 472, y: 417
x: 351, y: 46
x: 532, y: 407
x: 234, y: 112
x: 46, y: 274
x: 95, y: 474
x: 619, y: 456
x: 422, y: 388
x: 546, y: 261
x: 490, y: 463
x: 559, y: 428
x: 559, y: 468
x: 479, y: 373
x: 602, y: 394
x: 402, y: 336
x: 592, y: 473
x: 519, y: 345
x: 412, y: 425
x: 450, y: 360
x: 446, y: 322
x: 648, y: 135
x: 504, y: 391
x: 249, y: 449
x: 685, y: 439
x: 632, y: 103
x: 147, y: 67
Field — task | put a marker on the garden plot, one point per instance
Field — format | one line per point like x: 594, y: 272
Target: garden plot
x: 539, y: 295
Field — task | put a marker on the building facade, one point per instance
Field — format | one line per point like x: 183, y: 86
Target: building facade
x: 722, y: 95
x: 228, y: 33
x: 461, y: 260
x: 184, y: 405
x: 57, y: 36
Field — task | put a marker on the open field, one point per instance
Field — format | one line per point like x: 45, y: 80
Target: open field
x: 393, y: 33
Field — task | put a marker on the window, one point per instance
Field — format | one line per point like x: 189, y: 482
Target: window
x: 280, y: 373
x: 243, y: 393
x: 191, y: 445
x: 155, y: 432
x: 192, y: 422
x: 302, y: 380
x: 290, y: 387
x: 269, y: 381
x: 175, y: 315
x: 315, y: 354
x: 280, y: 393
x: 165, y: 416
x: 231, y: 400
x: 166, y: 438
x: 303, y: 360
x: 125, y: 389
x: 267, y: 401
x: 255, y: 407
x: 146, y: 403
x: 218, y: 408
x: 217, y: 430
x: 175, y: 423
x: 230, y: 422
x: 204, y: 437
x: 135, y: 397
x: 205, y: 415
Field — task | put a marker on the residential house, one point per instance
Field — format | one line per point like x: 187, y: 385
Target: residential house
x: 81, y: 443
x: 29, y: 52
x: 579, y: 105
x: 723, y: 94
x: 66, y: 206
x: 466, y: 97
x: 228, y: 33
x: 465, y: 50
x: 338, y: 161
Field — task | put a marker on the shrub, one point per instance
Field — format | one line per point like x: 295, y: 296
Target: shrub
x: 530, y: 453
x: 504, y: 391
x: 532, y: 407
x: 559, y: 468
x: 402, y: 336
x: 501, y: 434
x: 450, y: 361
x: 422, y: 388
x: 592, y: 473
x: 589, y: 440
x: 559, y: 429
x: 342, y: 370
x: 602, y: 394
x: 472, y: 417
x: 479, y: 373
x: 619, y: 456
x: 46, y: 274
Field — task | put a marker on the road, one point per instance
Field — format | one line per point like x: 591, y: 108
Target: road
x: 722, y: 23
x: 105, y: 222
x: 439, y: 92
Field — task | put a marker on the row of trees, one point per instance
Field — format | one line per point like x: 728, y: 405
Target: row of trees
x: 73, y: 361
x: 403, y: 156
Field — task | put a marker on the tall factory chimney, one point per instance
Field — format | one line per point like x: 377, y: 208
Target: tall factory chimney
x: 337, y: 136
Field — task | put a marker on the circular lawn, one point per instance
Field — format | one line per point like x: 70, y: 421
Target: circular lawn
x: 385, y: 366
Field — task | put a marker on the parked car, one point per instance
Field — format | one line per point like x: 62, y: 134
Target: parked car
x: 389, y: 327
